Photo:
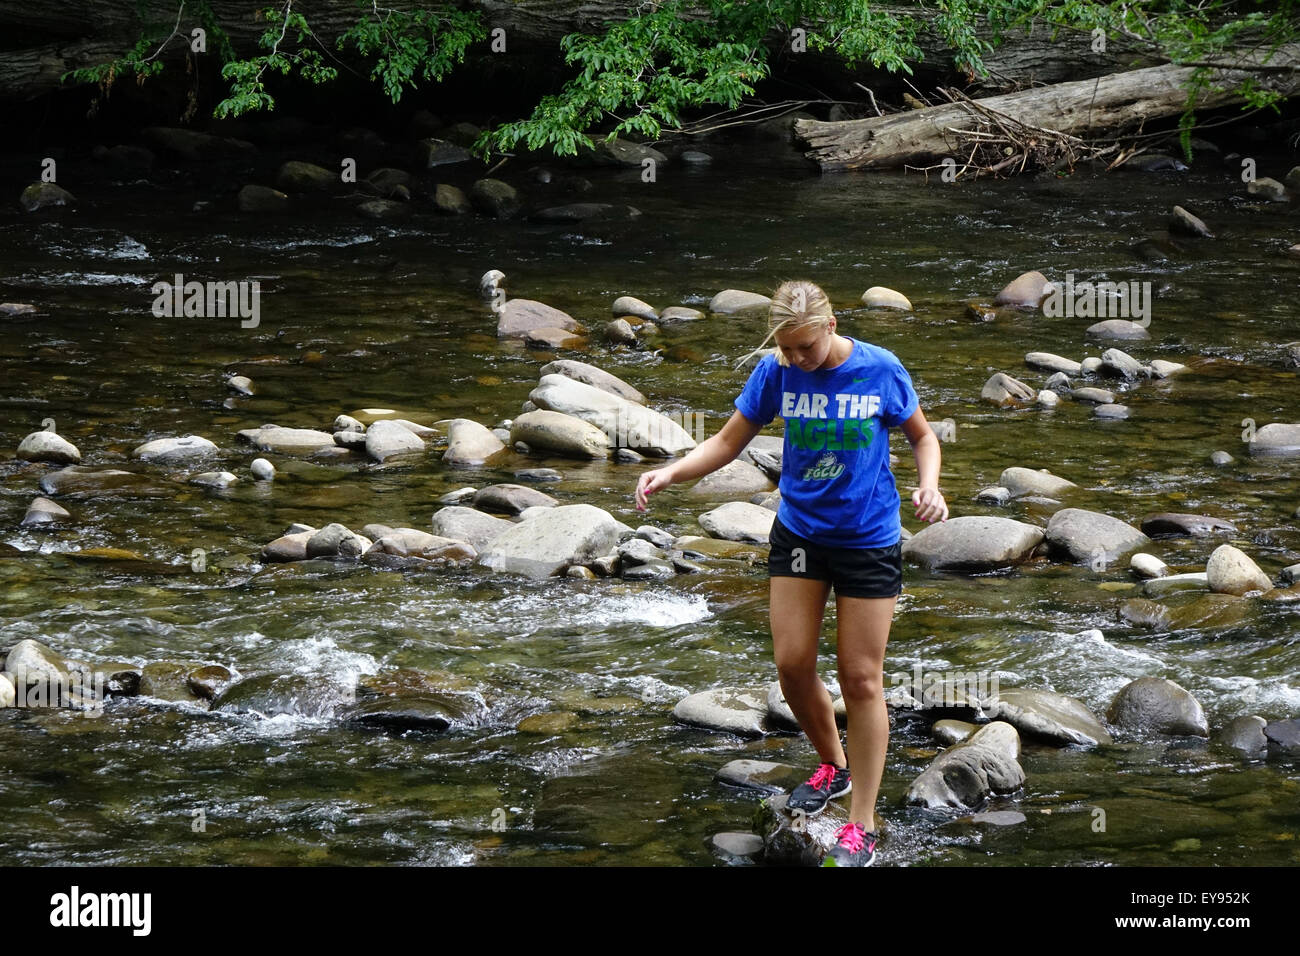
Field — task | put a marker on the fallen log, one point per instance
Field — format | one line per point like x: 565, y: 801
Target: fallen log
x: 1062, y: 116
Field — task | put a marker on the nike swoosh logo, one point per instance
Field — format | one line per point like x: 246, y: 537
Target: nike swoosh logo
x: 861, y: 380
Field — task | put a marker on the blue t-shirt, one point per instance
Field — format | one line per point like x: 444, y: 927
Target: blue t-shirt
x: 836, y: 484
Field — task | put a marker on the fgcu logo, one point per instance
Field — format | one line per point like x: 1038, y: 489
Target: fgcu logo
x: 828, y: 466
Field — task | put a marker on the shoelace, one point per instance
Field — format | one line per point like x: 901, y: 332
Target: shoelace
x: 824, y: 776
x: 851, y: 836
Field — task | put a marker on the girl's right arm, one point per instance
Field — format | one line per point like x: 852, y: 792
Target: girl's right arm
x: 708, y: 456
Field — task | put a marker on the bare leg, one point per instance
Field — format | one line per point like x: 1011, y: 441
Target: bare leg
x: 863, y: 631
x: 797, y: 607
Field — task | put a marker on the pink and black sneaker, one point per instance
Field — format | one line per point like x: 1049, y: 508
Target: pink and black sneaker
x: 823, y: 786
x: 854, y: 846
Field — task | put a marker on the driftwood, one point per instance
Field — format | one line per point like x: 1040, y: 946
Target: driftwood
x: 45, y: 40
x: 1047, y: 123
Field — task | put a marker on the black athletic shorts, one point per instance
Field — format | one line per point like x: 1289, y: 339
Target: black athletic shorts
x: 853, y: 572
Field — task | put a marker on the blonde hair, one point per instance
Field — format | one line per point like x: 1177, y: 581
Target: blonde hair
x: 796, y: 304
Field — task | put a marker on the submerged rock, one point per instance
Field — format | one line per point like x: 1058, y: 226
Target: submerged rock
x: 1244, y: 735
x: 1173, y: 524
x: 43, y: 511
x: 269, y: 695
x: 761, y: 775
x: 78, y: 481
x: 415, y: 712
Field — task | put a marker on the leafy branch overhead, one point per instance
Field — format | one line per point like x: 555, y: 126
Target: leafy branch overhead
x: 644, y: 72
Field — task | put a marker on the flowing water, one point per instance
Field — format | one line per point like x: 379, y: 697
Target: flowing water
x: 356, y: 315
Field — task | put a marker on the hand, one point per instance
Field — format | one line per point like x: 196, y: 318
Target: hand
x: 650, y: 482
x: 930, y: 504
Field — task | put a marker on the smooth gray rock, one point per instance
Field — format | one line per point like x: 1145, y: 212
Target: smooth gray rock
x: 1121, y: 363
x: 520, y: 316
x: 470, y: 525
x: 1231, y: 571
x: 288, y: 547
x: 1050, y: 362
x: 44, y: 511
x: 1091, y: 536
x: 973, y: 543
x: 510, y: 498
x: 1027, y: 481
x: 1159, y: 706
x: 1283, y: 738
x: 33, y: 662
x: 625, y: 424
x: 469, y: 443
x: 287, y: 441
x: 48, y: 446
x: 1245, y: 735
x: 561, y: 434
x: 734, y: 478
x: 735, y: 301
x: 336, y: 541
x: 214, y: 479
x: 736, y: 710
x: 593, y: 376
x: 738, y: 521
x: 1003, y: 390
x: 1276, y: 440
x: 1117, y: 329
x: 1048, y: 716
x: 552, y: 541
x: 761, y: 775
x: 1026, y: 290
x: 966, y: 774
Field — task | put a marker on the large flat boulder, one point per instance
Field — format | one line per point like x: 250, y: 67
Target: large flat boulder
x: 973, y: 544
x: 551, y: 540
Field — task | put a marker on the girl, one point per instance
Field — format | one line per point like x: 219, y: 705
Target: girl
x: 837, y: 525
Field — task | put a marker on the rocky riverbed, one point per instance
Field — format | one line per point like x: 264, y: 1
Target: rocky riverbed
x: 388, y: 534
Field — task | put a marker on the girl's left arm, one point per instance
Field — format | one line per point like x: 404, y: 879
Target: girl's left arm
x: 929, y: 503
